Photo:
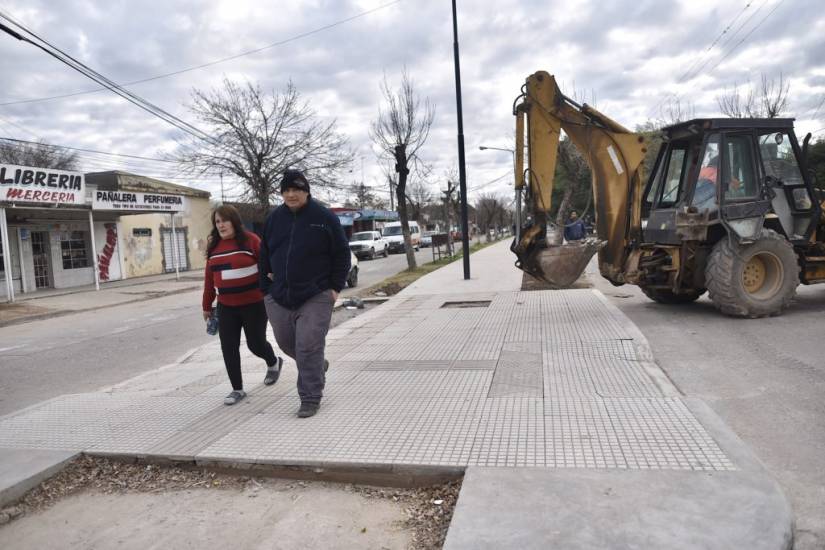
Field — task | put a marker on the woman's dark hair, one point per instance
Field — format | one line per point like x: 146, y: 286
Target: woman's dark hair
x: 231, y: 214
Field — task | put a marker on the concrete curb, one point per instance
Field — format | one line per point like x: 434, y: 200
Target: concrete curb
x: 584, y: 509
x: 656, y: 373
x: 23, y: 470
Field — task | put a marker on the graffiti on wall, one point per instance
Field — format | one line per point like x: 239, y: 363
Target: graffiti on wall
x: 105, y: 257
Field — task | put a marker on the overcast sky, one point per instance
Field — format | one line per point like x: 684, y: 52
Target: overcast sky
x: 625, y: 56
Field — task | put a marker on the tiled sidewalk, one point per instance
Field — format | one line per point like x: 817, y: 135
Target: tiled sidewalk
x: 539, y: 379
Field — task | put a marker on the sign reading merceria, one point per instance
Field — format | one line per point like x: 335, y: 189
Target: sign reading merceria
x: 129, y: 200
x: 41, y: 185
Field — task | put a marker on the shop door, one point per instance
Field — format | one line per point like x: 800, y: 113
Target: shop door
x: 169, y: 256
x: 41, y: 255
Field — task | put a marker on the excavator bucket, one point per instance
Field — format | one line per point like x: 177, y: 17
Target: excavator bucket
x: 559, y: 265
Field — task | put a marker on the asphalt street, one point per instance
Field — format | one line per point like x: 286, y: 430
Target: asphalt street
x: 85, y: 351
x: 764, y: 377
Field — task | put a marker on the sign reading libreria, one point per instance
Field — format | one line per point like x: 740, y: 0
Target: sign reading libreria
x: 132, y: 201
x: 41, y: 185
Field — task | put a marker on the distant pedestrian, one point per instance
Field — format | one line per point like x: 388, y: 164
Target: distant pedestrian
x: 305, y: 259
x: 232, y: 274
x: 574, y: 229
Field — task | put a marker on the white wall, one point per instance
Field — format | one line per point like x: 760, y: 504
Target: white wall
x: 66, y: 278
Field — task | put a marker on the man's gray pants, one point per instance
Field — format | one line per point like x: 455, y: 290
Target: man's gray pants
x: 301, y: 334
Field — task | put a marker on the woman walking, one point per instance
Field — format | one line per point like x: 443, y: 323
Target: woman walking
x: 232, y: 274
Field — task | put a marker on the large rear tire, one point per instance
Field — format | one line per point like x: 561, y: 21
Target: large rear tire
x: 755, y: 280
x: 667, y: 296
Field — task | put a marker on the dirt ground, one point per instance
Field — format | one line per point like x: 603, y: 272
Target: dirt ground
x: 10, y: 313
x: 99, y: 504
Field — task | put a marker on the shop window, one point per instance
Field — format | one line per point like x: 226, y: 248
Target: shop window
x: 74, y: 250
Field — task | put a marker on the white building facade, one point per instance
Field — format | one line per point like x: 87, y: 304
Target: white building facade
x: 63, y: 229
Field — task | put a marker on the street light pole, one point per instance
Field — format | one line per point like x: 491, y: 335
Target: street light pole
x: 462, y: 174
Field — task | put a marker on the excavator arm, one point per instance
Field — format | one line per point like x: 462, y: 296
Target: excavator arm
x: 614, y: 155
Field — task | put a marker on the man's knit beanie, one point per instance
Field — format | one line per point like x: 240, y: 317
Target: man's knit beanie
x: 294, y: 179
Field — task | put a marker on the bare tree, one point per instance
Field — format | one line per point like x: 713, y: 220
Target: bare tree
x: 258, y: 135
x: 362, y: 196
x: 673, y: 111
x: 491, y: 213
x: 38, y: 155
x: 399, y: 132
x: 575, y: 173
x: 735, y: 104
x: 773, y: 96
x: 769, y: 101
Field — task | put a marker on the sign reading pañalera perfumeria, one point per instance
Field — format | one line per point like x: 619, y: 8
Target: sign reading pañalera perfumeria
x: 41, y: 185
x: 137, y: 202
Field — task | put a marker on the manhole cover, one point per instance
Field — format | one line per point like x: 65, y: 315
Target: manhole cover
x: 477, y: 303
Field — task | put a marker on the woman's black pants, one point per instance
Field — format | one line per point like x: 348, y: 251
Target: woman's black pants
x: 252, y: 319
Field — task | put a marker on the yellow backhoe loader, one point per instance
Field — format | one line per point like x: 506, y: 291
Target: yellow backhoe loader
x: 729, y: 207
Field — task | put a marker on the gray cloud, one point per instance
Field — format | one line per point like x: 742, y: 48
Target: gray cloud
x: 629, y: 54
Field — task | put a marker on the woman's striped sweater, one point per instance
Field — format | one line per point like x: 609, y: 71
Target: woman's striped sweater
x: 232, y: 273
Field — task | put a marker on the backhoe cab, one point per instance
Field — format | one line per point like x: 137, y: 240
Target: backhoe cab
x: 729, y: 207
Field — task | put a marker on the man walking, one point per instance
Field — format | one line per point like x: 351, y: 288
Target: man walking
x: 304, y: 263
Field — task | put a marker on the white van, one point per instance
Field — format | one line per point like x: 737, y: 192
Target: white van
x: 395, y: 237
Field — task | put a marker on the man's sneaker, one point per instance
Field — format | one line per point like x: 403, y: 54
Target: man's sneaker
x: 273, y: 372
x: 234, y: 397
x: 308, y: 409
x: 326, y: 365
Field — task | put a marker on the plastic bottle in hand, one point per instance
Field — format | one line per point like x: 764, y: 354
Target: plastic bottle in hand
x: 212, y: 324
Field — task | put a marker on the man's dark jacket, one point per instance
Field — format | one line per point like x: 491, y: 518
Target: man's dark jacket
x: 574, y: 230
x: 306, y: 252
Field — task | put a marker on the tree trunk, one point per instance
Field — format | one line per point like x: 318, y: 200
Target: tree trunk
x: 561, y: 216
x: 401, y: 168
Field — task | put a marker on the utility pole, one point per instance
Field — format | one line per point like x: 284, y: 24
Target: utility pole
x: 223, y: 197
x: 462, y: 178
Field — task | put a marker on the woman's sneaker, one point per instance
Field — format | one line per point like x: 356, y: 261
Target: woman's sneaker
x: 234, y: 397
x: 273, y: 372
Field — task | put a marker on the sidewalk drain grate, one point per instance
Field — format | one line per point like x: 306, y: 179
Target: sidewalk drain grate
x: 477, y: 303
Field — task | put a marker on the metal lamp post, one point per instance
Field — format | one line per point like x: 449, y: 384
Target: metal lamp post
x: 462, y: 174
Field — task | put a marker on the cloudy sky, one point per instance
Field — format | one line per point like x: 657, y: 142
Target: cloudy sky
x: 628, y: 57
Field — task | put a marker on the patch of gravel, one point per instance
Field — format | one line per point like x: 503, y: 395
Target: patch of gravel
x: 428, y: 509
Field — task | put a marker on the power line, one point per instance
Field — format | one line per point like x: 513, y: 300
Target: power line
x: 776, y: 7
x: 482, y: 185
x: 735, y: 46
x: 715, y: 41
x: 9, y: 122
x: 23, y: 141
x: 67, y: 59
x: 684, y: 76
x: 217, y: 61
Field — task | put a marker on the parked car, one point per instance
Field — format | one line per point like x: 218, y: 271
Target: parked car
x: 427, y: 239
x: 395, y: 237
x: 368, y: 244
x: 352, y: 276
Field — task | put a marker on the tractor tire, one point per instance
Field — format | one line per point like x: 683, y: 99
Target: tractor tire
x: 755, y: 280
x: 666, y: 296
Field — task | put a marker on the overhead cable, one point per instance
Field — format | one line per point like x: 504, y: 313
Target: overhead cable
x: 215, y: 62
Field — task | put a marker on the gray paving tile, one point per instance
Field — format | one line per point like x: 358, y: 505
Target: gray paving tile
x: 538, y: 379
